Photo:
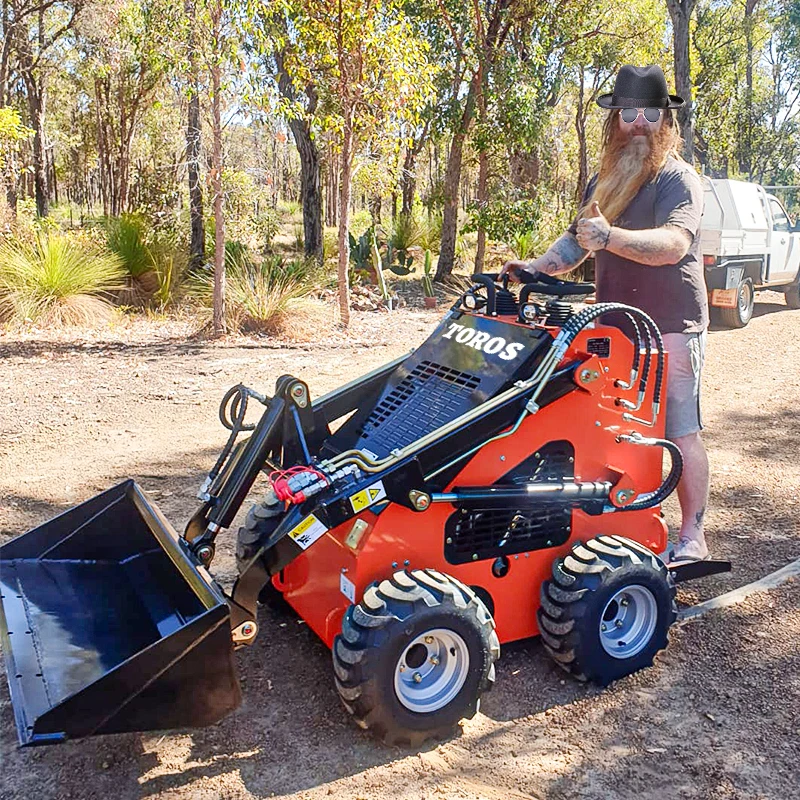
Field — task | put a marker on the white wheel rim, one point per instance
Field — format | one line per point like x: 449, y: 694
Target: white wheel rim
x: 431, y: 670
x: 744, y: 299
x: 628, y: 622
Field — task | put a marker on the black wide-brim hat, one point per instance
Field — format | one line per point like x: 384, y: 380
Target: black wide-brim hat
x: 640, y: 87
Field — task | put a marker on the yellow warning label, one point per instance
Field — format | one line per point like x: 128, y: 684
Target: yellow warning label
x: 366, y: 497
x: 307, y: 532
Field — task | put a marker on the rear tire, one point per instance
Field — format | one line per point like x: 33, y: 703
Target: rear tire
x: 414, y: 657
x: 739, y: 316
x: 608, y: 609
x: 792, y: 293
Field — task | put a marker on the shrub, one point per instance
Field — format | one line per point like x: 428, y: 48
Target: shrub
x: 430, y: 236
x: 406, y: 232
x: 127, y: 237
x: 170, y: 263
x: 265, y: 227
x: 256, y: 294
x: 290, y: 208
x: 427, y: 275
x: 330, y: 243
x: 57, y: 281
x: 360, y: 221
x: 524, y: 244
x: 299, y: 236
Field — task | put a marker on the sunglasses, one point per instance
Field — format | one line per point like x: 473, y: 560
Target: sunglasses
x: 650, y: 114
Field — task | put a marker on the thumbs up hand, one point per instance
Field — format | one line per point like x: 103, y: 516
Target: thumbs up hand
x: 594, y: 230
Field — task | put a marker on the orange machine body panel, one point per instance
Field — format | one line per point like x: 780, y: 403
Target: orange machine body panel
x: 322, y: 582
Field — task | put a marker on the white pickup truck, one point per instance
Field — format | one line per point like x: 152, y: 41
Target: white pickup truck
x: 748, y: 243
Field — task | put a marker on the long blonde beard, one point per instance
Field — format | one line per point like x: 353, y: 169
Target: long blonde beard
x: 626, y: 165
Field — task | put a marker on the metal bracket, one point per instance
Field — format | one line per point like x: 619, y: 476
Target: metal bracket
x: 691, y: 570
x: 244, y: 633
x: 420, y: 500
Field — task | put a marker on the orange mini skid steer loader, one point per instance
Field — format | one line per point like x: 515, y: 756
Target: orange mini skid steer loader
x: 501, y: 481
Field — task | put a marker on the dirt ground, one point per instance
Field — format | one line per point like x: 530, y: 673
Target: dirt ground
x: 715, y: 718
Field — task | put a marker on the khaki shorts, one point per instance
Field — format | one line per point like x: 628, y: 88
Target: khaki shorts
x: 686, y: 356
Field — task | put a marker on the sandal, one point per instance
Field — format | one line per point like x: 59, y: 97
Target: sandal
x: 688, y: 550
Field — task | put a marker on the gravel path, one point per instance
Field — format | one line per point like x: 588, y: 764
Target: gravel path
x: 715, y: 718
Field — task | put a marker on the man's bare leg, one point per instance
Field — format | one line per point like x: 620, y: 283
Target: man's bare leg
x: 693, y: 494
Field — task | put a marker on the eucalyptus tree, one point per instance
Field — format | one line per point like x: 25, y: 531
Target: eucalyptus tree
x: 269, y: 35
x: 128, y: 49
x: 508, y: 72
x: 747, y: 76
x: 680, y: 12
x: 370, y: 74
x: 34, y: 32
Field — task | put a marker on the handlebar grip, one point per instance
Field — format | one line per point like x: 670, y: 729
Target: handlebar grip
x: 561, y: 289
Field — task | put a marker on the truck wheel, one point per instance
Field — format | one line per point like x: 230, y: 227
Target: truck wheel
x: 792, y: 293
x: 739, y: 316
x: 415, y: 656
x: 258, y: 525
x: 608, y: 609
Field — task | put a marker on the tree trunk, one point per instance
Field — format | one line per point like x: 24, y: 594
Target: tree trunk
x: 36, y: 103
x: 681, y: 12
x: 375, y: 203
x: 310, y: 188
x: 197, y: 246
x: 344, y: 220
x: 197, y: 243
x: 332, y: 191
x: 310, y: 169
x: 746, y: 138
x: 408, y: 179
x: 102, y: 148
x: 580, y: 129
x: 483, y: 196
x: 51, y: 160
x: 5, y: 52
x: 219, y: 220
x: 452, y: 183
x: 11, y: 183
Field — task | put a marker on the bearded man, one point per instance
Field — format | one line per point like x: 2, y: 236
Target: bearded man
x: 640, y: 216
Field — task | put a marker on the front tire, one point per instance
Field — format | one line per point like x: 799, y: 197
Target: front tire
x: 260, y: 523
x: 414, y: 657
x: 742, y: 313
x: 608, y: 609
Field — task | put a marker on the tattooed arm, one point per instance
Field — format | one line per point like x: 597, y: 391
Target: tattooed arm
x: 564, y: 254
x: 655, y: 247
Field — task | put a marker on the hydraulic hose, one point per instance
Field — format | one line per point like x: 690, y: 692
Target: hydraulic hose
x: 232, y: 411
x: 670, y: 483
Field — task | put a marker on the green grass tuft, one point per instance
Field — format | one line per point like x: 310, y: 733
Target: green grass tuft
x: 56, y: 280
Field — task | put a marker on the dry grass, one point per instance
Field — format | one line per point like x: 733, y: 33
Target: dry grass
x: 302, y: 320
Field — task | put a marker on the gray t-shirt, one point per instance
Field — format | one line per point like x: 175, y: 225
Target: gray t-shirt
x: 674, y: 295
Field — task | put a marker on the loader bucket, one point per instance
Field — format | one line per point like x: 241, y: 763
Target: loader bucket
x: 108, y: 625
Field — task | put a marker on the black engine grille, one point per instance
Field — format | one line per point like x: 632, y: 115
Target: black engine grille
x: 477, y: 534
x: 439, y: 394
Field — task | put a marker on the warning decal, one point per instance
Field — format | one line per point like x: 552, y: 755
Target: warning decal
x: 307, y: 532
x: 366, y: 497
x: 347, y: 588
